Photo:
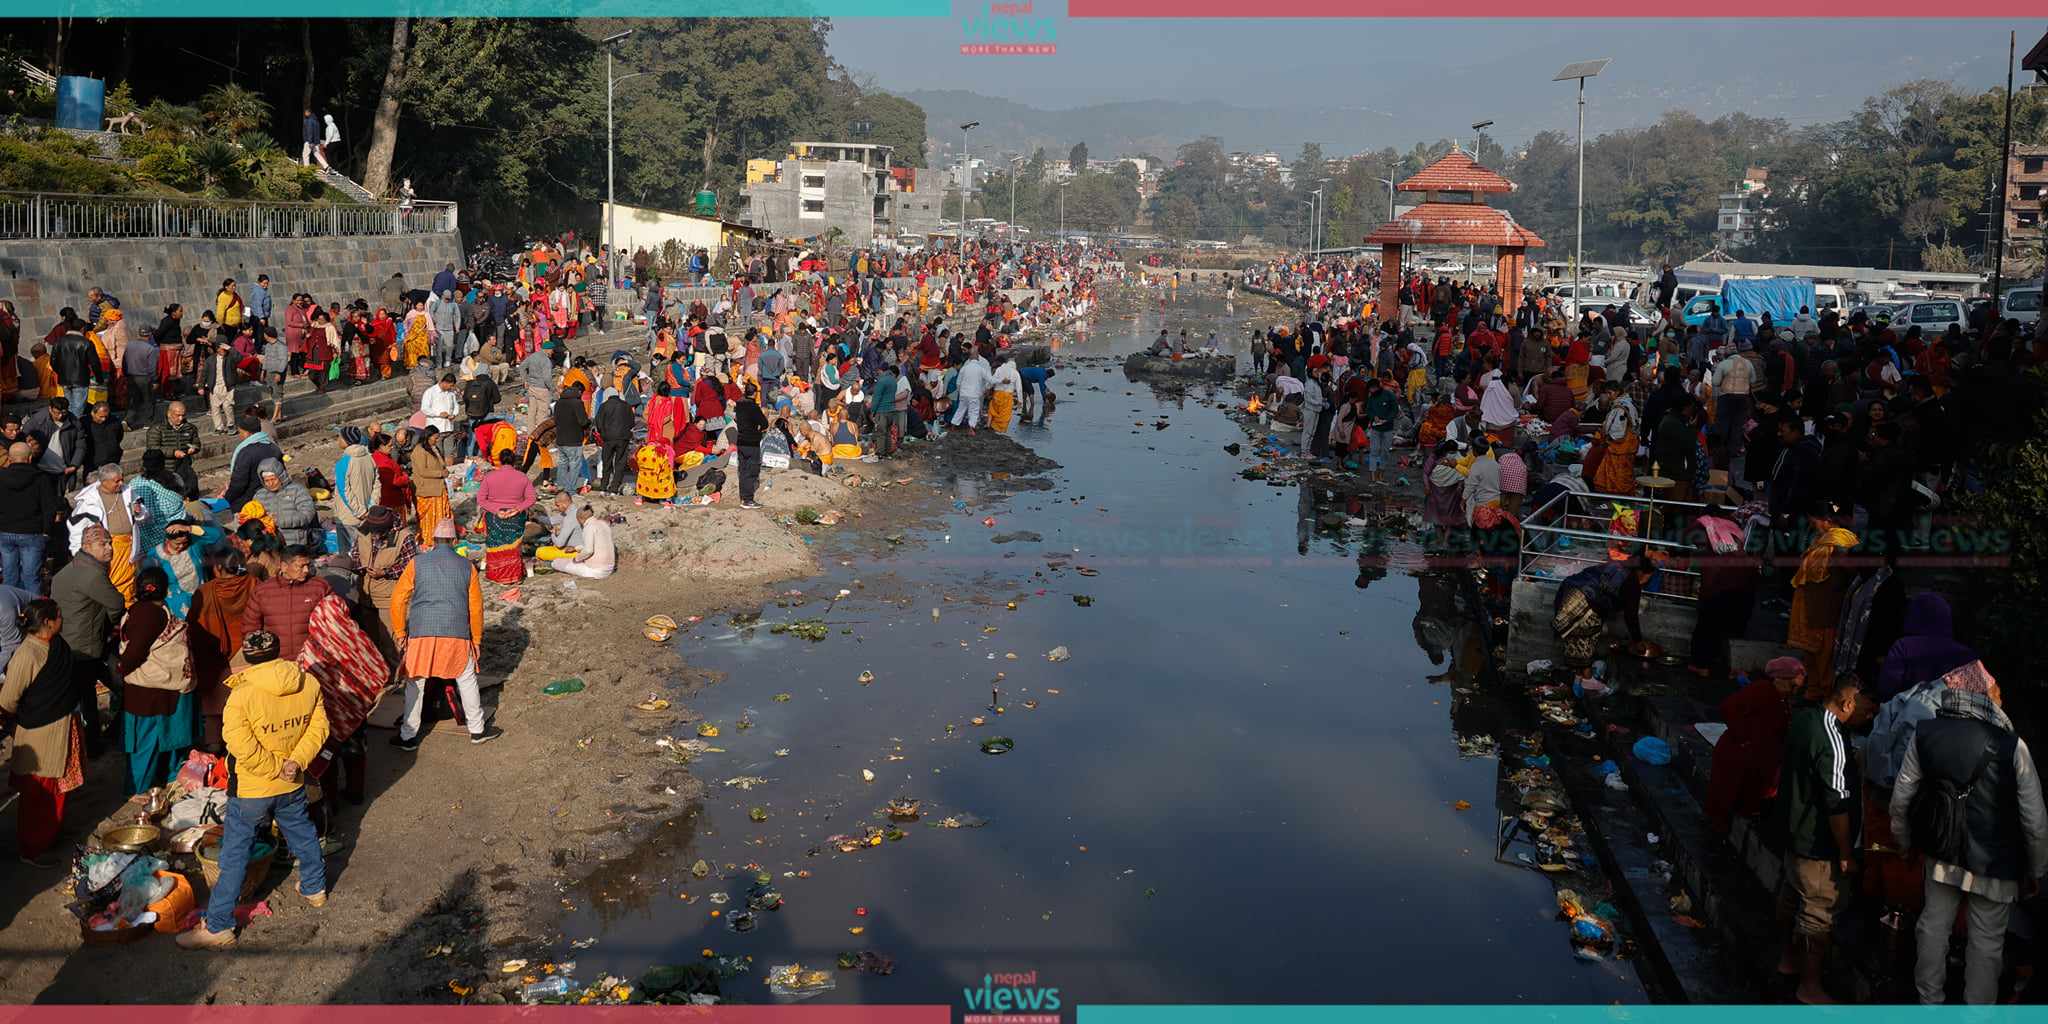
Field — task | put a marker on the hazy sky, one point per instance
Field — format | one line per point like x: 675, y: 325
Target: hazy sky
x: 1807, y: 70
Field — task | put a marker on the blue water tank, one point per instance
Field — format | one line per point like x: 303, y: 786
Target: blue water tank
x: 81, y: 103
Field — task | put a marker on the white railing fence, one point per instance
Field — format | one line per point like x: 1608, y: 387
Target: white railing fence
x: 51, y: 215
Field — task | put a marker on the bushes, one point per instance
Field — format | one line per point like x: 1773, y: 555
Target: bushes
x: 54, y: 162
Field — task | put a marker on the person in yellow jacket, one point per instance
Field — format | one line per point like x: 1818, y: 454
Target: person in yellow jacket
x: 274, y: 725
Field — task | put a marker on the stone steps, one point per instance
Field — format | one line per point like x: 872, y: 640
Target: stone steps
x: 345, y: 185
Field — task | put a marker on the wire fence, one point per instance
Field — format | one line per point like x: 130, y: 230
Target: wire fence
x: 48, y: 215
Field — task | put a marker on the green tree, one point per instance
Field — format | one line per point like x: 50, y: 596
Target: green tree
x: 231, y: 110
x: 1077, y: 158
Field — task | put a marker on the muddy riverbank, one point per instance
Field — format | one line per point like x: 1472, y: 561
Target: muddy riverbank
x: 460, y: 855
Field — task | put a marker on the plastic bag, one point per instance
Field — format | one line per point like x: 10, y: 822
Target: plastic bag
x: 1653, y: 751
x: 201, y: 807
x: 141, y: 886
x: 100, y: 870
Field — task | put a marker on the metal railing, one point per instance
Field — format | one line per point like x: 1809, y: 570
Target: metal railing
x: 1569, y: 533
x: 54, y: 216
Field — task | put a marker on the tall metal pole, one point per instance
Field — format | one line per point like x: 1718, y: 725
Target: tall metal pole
x: 611, y: 199
x: 2004, y: 181
x: 966, y: 168
x: 1579, y: 249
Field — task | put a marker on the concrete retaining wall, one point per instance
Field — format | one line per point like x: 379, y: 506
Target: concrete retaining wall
x: 42, y: 277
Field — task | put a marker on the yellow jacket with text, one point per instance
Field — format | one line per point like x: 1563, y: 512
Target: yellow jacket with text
x: 274, y: 714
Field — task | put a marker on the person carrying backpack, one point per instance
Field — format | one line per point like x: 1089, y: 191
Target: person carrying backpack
x: 1969, y: 799
x: 479, y: 401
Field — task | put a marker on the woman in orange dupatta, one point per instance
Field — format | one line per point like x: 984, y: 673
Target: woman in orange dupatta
x: 1817, y: 592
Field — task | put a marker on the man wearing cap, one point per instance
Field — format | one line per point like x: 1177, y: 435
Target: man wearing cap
x: 1744, y: 774
x: 437, y: 619
x: 273, y: 726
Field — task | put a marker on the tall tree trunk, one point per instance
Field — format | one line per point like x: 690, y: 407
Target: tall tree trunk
x: 57, y: 54
x: 306, y: 51
x: 125, y: 64
x: 384, y: 131
x: 710, y: 148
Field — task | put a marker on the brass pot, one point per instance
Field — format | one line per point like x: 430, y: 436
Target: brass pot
x: 132, y: 839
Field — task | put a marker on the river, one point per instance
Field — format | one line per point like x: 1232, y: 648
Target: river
x: 1242, y: 787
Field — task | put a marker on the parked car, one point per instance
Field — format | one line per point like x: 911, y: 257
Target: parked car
x: 2023, y: 304
x: 1932, y: 316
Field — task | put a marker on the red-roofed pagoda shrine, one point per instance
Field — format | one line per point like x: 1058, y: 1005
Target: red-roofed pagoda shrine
x: 1454, y: 212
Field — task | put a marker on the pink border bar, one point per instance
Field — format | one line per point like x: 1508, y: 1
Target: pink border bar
x: 483, y: 1014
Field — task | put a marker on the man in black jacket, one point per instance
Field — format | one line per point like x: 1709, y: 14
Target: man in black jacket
x: 78, y: 369
x: 750, y: 424
x: 1795, y: 477
x: 571, y: 424
x: 1674, y: 447
x: 29, y: 510
x: 479, y: 400
x: 252, y: 449
x: 1969, y: 748
x: 615, y: 434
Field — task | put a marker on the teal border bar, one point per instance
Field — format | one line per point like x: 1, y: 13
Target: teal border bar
x: 488, y: 9
x: 1515, y: 1014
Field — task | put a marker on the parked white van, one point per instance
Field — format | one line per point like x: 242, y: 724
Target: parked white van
x: 2022, y: 304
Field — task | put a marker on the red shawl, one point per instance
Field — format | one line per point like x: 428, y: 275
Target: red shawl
x: 352, y: 674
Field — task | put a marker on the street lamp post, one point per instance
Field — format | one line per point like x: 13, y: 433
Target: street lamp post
x: 1315, y: 224
x: 1581, y: 70
x: 2004, y: 182
x: 1472, y: 251
x: 966, y: 173
x: 1062, y: 204
x: 611, y: 199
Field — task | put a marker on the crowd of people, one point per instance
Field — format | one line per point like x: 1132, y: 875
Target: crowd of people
x: 256, y: 623
x: 1807, y: 456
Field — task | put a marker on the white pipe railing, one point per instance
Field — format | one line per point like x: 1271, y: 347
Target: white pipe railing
x: 53, y: 215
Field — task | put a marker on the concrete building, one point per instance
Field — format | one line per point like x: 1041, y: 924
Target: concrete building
x: 820, y: 186
x: 1742, y: 210
x: 2026, y: 202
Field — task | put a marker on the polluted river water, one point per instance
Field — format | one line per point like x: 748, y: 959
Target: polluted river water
x: 1245, y: 784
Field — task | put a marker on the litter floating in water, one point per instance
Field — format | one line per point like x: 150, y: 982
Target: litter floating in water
x: 866, y: 677
x: 706, y: 730
x: 998, y: 745
x: 757, y: 814
x: 813, y: 630
x: 781, y: 698
x: 902, y: 808
x: 1462, y: 805
x: 746, y: 782
x: 1059, y: 653
x: 701, y: 869
x: 867, y: 775
x: 867, y: 962
x: 794, y: 981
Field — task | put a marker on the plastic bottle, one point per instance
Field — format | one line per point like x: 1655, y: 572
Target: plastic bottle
x: 550, y: 988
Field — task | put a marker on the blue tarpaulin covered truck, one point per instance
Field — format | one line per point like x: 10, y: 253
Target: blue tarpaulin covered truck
x: 1781, y: 296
